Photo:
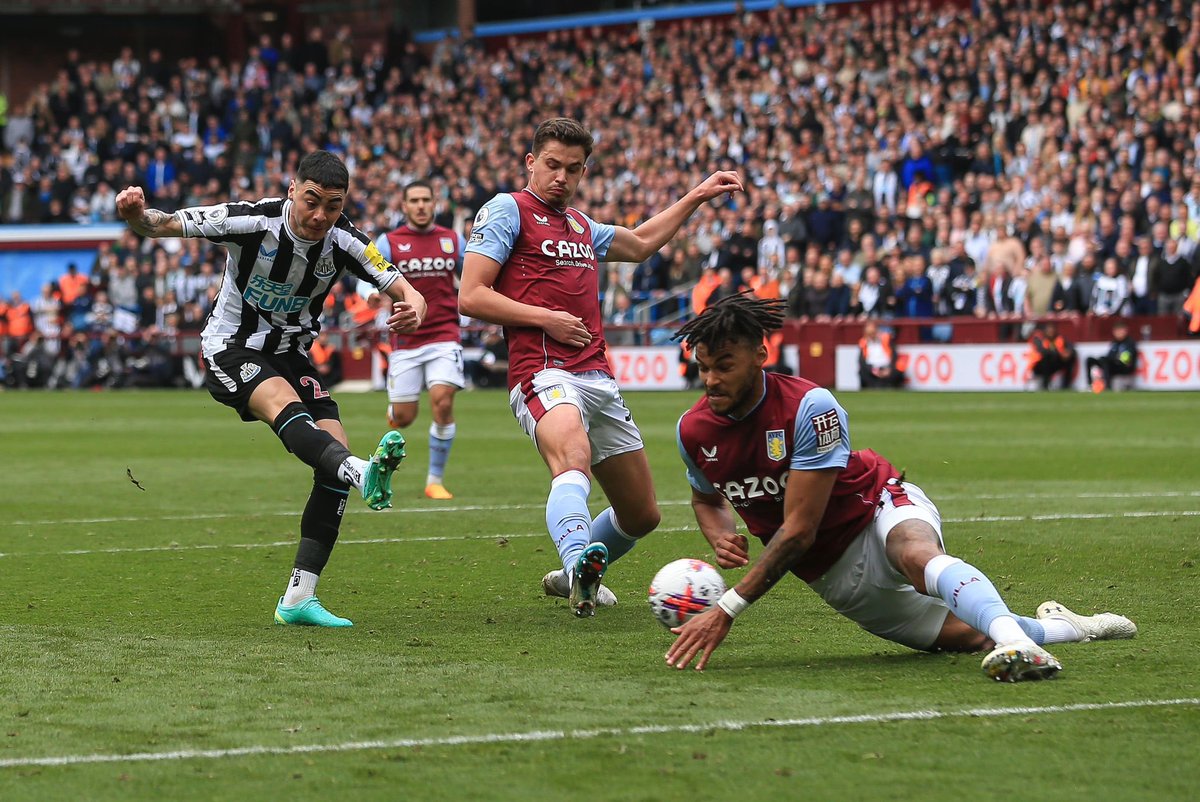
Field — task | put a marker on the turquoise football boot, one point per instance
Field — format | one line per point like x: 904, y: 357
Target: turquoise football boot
x: 589, y: 570
x: 308, y: 613
x: 377, y: 484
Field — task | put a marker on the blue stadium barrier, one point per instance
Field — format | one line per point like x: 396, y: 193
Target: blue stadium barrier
x: 624, y: 17
x: 31, y: 255
x: 28, y: 271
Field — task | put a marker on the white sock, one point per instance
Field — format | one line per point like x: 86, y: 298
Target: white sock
x: 1060, y: 630
x: 443, y: 431
x: 441, y: 438
x: 352, y: 471
x: 1005, y: 630
x: 301, y: 585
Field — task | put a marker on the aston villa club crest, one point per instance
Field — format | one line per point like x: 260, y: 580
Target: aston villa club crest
x: 776, y: 449
x: 574, y: 224
x: 447, y: 244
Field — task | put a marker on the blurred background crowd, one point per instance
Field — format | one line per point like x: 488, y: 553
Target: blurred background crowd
x: 886, y: 149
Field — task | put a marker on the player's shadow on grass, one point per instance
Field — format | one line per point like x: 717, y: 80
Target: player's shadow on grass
x: 843, y: 662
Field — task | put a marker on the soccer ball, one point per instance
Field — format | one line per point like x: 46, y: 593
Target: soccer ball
x: 683, y: 589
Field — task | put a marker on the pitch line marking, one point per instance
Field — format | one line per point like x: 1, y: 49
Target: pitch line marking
x: 986, y: 519
x: 283, y: 543
x: 206, y: 516
x: 535, y: 736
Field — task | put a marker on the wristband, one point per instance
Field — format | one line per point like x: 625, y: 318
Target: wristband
x: 732, y: 603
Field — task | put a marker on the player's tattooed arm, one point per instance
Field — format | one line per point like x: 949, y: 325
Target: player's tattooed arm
x: 156, y: 223
x: 804, y: 505
x: 131, y: 206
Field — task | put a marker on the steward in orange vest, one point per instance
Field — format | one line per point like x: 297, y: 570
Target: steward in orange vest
x: 20, y: 319
x: 879, y: 365
x: 1050, y: 353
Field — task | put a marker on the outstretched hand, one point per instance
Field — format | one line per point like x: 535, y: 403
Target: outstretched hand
x: 700, y: 636
x: 131, y: 203
x: 718, y: 184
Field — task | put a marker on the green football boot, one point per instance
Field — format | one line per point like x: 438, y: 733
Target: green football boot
x: 377, y: 484
x: 308, y: 613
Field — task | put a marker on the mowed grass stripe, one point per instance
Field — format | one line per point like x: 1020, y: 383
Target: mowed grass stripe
x: 534, y: 736
x: 538, y: 506
x: 984, y: 519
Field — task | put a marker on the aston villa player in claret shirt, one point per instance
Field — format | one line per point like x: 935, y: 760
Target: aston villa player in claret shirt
x: 531, y: 268
x: 776, y: 450
x: 430, y: 257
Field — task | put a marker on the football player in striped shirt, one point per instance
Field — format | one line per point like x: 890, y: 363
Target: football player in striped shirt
x: 284, y: 256
x: 777, y: 450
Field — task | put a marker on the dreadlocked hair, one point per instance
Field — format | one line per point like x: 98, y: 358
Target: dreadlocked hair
x: 742, y: 318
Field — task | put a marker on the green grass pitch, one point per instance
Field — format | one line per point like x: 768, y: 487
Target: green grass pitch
x: 138, y: 622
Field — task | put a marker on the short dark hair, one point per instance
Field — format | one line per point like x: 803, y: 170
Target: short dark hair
x: 420, y: 182
x: 565, y: 130
x: 735, y: 318
x: 323, y: 168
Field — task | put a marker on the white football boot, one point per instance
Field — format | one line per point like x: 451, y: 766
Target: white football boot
x: 556, y: 583
x: 1020, y: 662
x: 1102, y: 626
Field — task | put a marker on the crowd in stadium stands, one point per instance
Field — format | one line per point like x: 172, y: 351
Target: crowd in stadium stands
x: 886, y: 148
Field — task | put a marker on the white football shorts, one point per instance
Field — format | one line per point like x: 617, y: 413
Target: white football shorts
x: 864, y: 586
x: 411, y: 369
x: 606, y: 419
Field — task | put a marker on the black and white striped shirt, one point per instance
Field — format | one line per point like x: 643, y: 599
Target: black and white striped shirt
x: 275, y: 283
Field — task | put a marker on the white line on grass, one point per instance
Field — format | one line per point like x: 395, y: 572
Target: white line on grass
x: 562, y: 735
x: 341, y: 541
x: 205, y: 516
x: 984, y: 519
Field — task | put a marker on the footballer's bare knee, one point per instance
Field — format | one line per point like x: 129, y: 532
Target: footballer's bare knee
x: 401, y: 416
x: 640, y: 522
x: 441, y: 404
x: 910, y: 546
